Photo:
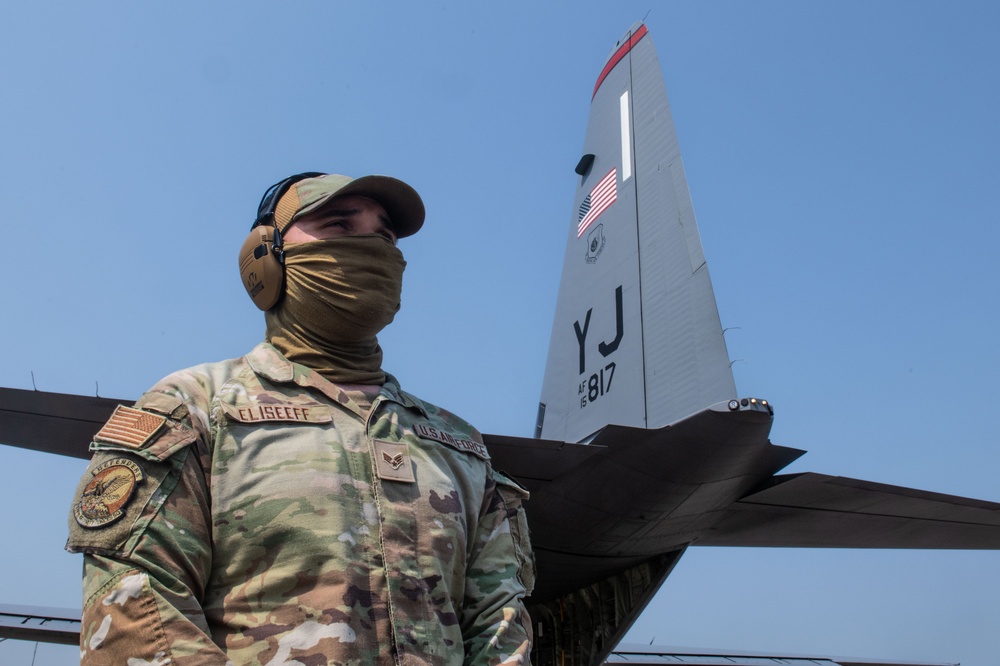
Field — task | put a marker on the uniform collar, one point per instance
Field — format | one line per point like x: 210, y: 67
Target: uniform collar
x: 268, y: 362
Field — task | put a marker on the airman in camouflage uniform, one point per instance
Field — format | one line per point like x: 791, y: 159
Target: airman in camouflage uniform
x: 255, y: 512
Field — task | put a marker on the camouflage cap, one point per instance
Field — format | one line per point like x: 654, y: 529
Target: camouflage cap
x: 401, y: 202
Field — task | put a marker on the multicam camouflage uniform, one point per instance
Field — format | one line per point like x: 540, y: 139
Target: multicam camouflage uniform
x: 265, y: 517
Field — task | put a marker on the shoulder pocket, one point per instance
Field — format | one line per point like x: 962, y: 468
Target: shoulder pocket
x: 135, y: 466
x: 151, y: 430
x: 116, y: 498
x: 514, y: 495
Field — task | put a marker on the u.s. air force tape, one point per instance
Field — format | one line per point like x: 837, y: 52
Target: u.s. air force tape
x: 462, y: 444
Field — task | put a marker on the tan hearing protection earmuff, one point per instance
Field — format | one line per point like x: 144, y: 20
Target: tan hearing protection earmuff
x: 262, y: 258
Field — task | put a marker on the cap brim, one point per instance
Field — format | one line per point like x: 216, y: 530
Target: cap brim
x: 401, y: 202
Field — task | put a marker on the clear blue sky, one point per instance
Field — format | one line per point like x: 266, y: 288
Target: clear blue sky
x: 842, y: 158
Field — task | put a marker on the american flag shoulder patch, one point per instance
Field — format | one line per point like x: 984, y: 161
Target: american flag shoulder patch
x: 130, y: 427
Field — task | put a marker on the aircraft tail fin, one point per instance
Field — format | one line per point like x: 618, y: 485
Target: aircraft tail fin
x: 637, y: 338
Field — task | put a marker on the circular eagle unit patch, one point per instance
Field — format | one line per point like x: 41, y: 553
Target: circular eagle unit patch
x: 105, y: 496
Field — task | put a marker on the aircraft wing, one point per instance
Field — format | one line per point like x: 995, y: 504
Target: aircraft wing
x: 36, y: 623
x: 807, y: 510
x: 648, y: 655
x: 819, y: 511
x: 713, y: 460
x: 53, y: 422
x: 598, y: 509
x: 611, y: 518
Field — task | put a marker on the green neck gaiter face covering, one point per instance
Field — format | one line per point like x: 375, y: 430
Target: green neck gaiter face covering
x: 339, y: 293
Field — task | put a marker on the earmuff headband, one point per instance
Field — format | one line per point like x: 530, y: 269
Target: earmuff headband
x: 262, y: 257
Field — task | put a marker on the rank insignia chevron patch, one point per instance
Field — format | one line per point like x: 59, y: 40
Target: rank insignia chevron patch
x: 392, y: 461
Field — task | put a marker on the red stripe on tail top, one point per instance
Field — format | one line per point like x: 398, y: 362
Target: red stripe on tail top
x: 617, y: 57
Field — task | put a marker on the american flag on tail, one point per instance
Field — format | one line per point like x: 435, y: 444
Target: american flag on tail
x: 600, y: 198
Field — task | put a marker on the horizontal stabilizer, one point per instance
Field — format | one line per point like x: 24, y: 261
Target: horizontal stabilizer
x: 820, y: 511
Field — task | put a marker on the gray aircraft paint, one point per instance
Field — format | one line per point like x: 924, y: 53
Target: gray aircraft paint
x: 663, y: 356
